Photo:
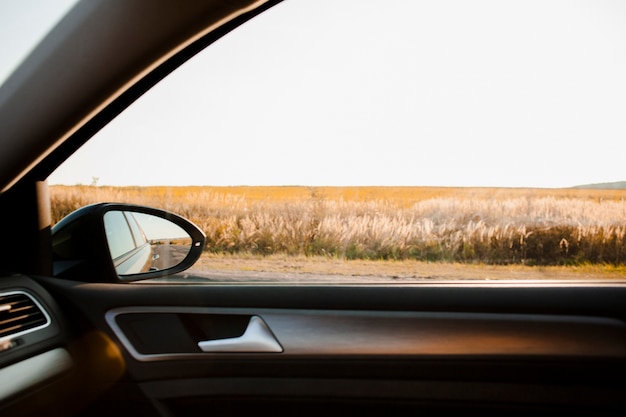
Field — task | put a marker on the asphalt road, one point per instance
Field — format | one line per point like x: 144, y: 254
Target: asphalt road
x: 169, y: 255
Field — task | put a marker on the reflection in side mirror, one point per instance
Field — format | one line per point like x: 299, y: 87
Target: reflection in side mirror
x: 140, y: 242
x: 123, y: 242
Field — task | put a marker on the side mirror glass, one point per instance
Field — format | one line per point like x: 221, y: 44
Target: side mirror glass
x: 124, y: 242
x: 140, y: 242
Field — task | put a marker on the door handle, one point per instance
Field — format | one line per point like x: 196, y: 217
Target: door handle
x: 256, y: 338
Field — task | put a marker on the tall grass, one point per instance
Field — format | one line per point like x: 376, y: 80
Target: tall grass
x: 531, y: 227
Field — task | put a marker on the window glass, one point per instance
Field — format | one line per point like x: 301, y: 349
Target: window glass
x: 139, y: 236
x: 408, y: 141
x: 119, y: 236
x: 24, y: 25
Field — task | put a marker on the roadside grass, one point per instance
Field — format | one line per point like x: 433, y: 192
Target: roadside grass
x: 471, y: 226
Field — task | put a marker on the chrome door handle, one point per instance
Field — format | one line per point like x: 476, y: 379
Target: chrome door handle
x: 256, y: 338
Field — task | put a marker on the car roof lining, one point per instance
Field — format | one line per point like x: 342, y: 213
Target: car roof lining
x: 79, y: 78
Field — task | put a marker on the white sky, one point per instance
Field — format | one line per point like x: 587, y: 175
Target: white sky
x: 459, y: 93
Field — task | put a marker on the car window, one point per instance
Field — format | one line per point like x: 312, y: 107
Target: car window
x: 24, y: 24
x: 408, y: 141
x: 118, y: 233
x: 138, y: 234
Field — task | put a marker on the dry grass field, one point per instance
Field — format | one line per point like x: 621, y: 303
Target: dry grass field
x: 494, y: 226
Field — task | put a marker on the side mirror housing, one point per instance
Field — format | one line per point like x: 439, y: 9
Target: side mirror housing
x: 113, y: 242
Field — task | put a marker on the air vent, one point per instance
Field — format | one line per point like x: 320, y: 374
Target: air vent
x: 20, y: 313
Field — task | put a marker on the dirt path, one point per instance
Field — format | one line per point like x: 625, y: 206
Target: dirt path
x: 299, y: 269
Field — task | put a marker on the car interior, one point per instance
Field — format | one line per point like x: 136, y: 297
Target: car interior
x: 89, y: 340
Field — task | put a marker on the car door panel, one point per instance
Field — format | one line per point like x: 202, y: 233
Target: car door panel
x: 410, y: 348
x: 360, y: 333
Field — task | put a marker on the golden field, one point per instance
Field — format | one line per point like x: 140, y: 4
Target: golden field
x: 468, y: 225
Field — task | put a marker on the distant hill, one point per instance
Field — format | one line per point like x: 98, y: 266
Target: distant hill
x: 618, y: 185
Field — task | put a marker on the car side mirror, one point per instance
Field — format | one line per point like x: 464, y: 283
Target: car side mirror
x: 123, y: 242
